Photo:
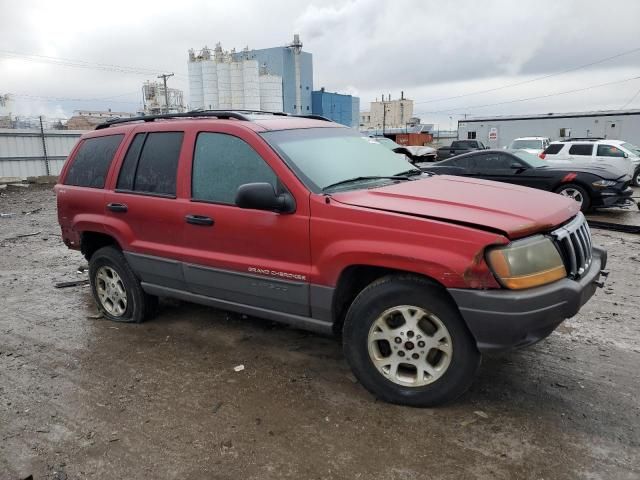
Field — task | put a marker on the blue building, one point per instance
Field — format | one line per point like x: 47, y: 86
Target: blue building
x: 340, y: 108
x: 282, y: 61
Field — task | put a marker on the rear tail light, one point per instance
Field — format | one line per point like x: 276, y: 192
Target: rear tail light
x: 542, y: 155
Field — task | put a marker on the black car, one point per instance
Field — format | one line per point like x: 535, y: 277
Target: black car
x: 592, y: 186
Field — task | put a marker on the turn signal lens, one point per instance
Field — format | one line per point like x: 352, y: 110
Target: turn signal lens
x: 527, y: 263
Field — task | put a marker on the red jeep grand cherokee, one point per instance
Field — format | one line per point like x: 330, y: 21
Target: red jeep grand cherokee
x: 307, y: 222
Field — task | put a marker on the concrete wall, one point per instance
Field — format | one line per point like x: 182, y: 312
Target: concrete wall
x: 21, y: 151
x: 617, y: 126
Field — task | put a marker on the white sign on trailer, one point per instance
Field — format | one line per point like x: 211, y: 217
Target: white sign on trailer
x: 493, y: 133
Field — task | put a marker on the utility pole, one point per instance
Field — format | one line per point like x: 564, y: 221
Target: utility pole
x: 44, y: 148
x: 164, y: 77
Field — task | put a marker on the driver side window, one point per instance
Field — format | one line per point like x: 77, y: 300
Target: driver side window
x: 221, y: 163
x: 496, y: 161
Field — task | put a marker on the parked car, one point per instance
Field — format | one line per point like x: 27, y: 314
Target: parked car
x: 591, y: 185
x: 459, y: 147
x: 301, y: 221
x: 617, y: 153
x: 415, y: 154
x: 533, y: 145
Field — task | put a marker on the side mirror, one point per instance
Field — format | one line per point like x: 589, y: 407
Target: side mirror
x: 626, y: 155
x: 516, y: 166
x: 262, y: 196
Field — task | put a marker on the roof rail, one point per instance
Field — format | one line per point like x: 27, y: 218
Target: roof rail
x: 150, y: 118
x: 314, y: 117
x: 224, y: 114
x: 583, y: 139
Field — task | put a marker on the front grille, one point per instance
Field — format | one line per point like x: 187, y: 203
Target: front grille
x: 574, y: 243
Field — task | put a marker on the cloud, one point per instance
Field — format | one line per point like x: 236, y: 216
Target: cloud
x: 429, y: 49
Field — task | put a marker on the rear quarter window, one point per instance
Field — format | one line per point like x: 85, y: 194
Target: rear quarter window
x: 90, y: 165
x: 553, y: 149
x: 581, y: 149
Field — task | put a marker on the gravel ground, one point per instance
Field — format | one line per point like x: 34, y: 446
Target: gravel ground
x: 81, y: 397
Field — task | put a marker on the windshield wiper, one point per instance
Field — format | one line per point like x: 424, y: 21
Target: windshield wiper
x: 410, y: 173
x: 359, y: 179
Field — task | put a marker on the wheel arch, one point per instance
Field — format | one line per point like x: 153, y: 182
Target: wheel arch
x: 355, y: 278
x: 91, y: 241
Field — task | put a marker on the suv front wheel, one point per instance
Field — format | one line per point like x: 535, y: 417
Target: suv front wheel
x: 116, y: 289
x: 407, y: 343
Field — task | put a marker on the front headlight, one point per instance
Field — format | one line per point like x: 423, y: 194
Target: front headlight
x: 604, y: 183
x: 526, y: 263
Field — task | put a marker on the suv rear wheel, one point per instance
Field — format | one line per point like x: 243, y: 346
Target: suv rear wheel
x: 116, y: 289
x: 406, y: 343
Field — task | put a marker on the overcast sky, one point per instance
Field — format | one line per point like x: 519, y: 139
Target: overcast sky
x: 432, y: 50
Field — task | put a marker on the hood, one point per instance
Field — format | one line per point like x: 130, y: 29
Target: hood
x: 509, y: 209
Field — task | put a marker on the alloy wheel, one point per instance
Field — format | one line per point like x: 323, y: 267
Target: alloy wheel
x: 410, y: 346
x: 574, y: 194
x: 111, y: 291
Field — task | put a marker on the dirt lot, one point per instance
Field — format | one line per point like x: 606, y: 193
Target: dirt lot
x: 81, y: 397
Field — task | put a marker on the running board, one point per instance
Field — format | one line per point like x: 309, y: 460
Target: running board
x: 297, y: 321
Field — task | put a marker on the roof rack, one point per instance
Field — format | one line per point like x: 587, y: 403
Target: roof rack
x: 222, y: 114
x: 583, y: 139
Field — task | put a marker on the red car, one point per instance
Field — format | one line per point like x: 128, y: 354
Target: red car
x: 307, y: 222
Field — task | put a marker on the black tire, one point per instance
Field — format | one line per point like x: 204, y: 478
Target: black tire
x: 140, y: 306
x: 397, y: 290
x: 636, y: 177
x: 586, y: 202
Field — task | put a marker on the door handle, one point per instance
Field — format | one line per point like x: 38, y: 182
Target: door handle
x: 117, y: 207
x: 199, y: 220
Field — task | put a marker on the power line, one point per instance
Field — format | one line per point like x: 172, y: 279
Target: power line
x: 632, y: 99
x: 530, y: 98
x: 68, y: 99
x: 75, y: 63
x: 628, y: 52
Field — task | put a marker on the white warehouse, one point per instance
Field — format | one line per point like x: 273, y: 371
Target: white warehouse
x: 498, y: 132
x: 223, y: 80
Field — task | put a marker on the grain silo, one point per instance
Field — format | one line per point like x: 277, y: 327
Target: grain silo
x: 270, y: 91
x: 224, y: 81
x: 251, y: 84
x: 237, y: 86
x: 196, y: 94
x: 209, y: 80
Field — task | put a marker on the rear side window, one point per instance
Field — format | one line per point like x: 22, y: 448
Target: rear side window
x: 221, y: 163
x: 609, y: 151
x: 553, y: 149
x: 91, y: 163
x: 581, y: 149
x: 151, y: 163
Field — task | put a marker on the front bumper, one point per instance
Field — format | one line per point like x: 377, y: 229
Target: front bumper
x: 613, y: 198
x: 504, y: 319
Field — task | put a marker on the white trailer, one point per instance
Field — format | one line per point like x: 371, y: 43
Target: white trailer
x: 498, y: 132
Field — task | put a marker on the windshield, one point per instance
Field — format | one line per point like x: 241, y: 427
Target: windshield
x: 632, y: 148
x: 530, y: 159
x: 326, y: 156
x: 532, y: 144
x: 386, y: 142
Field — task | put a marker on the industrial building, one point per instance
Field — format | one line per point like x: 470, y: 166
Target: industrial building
x: 154, y: 99
x: 388, y: 113
x: 340, y: 108
x: 90, y: 119
x: 6, y: 106
x: 498, y: 132
x: 272, y: 79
